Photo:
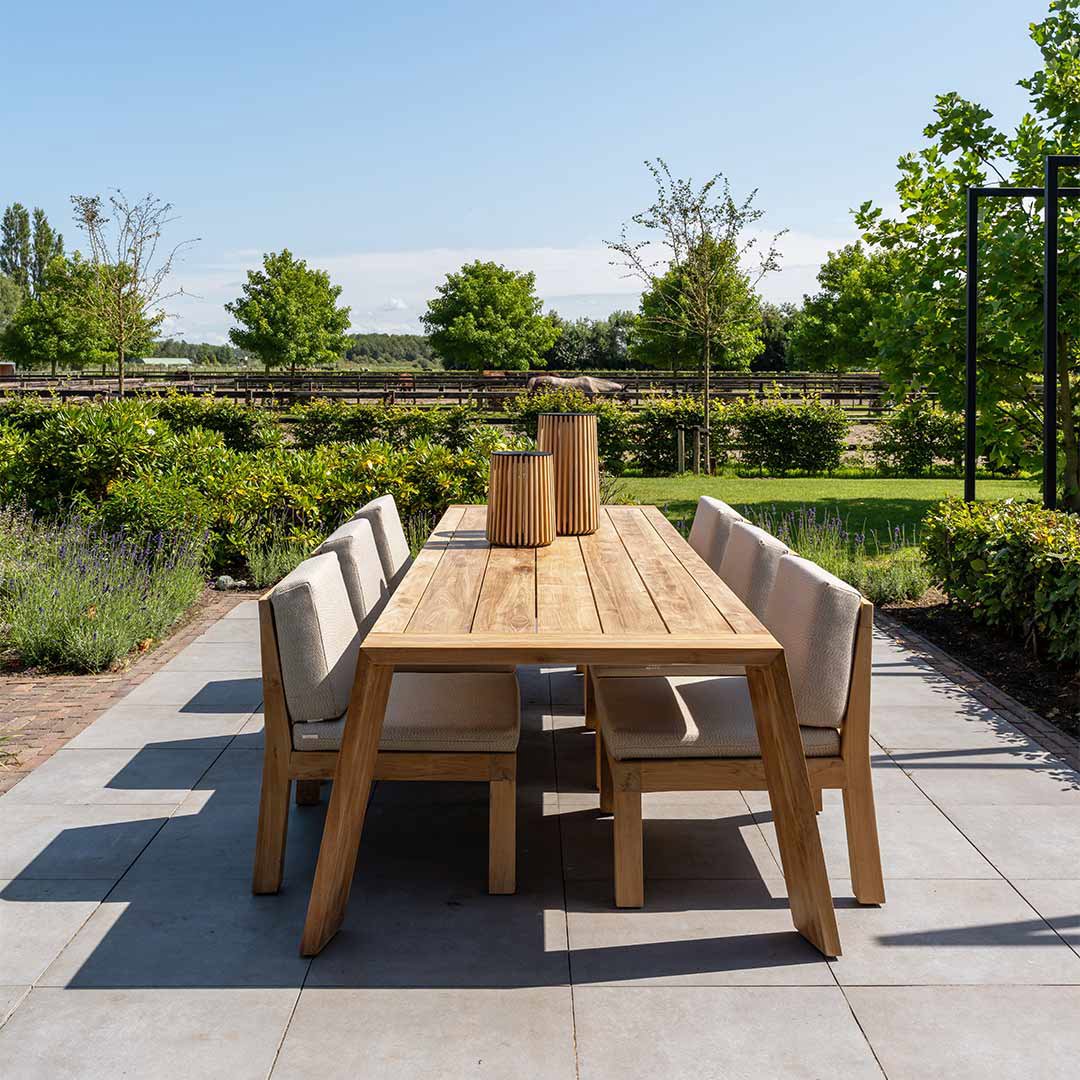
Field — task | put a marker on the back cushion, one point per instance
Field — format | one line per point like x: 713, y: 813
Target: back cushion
x: 361, y: 567
x: 711, y: 529
x: 317, y: 639
x: 750, y: 562
x: 390, y: 540
x: 814, y: 616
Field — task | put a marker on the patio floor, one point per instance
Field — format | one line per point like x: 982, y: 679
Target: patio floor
x: 130, y: 943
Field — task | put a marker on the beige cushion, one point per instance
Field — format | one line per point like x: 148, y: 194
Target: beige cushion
x: 814, y: 616
x: 390, y: 538
x: 688, y: 717
x: 466, y: 712
x: 317, y: 639
x: 711, y: 529
x: 361, y: 567
x: 750, y: 563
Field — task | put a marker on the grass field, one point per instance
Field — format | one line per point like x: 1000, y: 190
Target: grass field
x: 871, y: 505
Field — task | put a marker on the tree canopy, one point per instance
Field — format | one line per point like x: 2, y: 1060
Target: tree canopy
x: 28, y: 243
x: 919, y: 329
x: 591, y: 344
x: 289, y: 314
x: 488, y: 317
x: 11, y: 296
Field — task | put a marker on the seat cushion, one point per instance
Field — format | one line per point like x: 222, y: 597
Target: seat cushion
x: 814, y: 615
x: 459, y: 712
x: 751, y: 560
x: 711, y: 529
x: 390, y: 540
x: 688, y: 717
x: 317, y: 639
x: 361, y: 567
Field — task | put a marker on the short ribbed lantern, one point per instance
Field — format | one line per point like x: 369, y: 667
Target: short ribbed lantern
x: 521, y: 499
x: 572, y: 440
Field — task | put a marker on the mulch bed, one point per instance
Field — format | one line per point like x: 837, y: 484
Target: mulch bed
x: 1048, y: 689
x: 40, y: 712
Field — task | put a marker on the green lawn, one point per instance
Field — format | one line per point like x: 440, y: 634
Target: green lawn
x: 870, y: 505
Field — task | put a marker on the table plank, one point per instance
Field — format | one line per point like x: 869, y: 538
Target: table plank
x: 564, y: 597
x: 622, y: 600
x: 741, y: 619
x: 449, y: 602
x: 677, y: 596
x: 395, y: 617
x: 507, y: 602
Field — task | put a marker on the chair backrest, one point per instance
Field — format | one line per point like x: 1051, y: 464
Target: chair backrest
x: 390, y: 538
x: 815, y: 616
x: 362, y: 569
x: 711, y: 529
x: 750, y: 562
x: 317, y: 639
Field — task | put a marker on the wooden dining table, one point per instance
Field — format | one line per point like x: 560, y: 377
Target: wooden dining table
x: 633, y: 593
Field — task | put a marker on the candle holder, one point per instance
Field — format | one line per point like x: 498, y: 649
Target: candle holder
x: 573, y: 441
x: 521, y: 499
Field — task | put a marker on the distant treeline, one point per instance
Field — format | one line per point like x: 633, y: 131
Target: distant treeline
x: 391, y: 349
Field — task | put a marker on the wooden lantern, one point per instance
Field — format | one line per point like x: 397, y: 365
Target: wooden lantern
x: 521, y: 499
x: 572, y: 440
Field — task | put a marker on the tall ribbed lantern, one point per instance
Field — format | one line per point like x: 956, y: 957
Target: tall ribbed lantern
x: 574, y: 445
x: 521, y: 499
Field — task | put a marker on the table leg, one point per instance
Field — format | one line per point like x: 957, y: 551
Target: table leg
x: 793, y: 806
x: 348, y: 804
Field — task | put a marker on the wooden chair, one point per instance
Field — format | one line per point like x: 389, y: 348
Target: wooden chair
x: 697, y: 733
x: 457, y: 726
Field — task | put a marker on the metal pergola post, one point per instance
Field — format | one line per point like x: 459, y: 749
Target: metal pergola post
x: 1050, y: 193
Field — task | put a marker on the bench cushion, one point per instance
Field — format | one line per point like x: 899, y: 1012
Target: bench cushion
x: 361, y: 568
x: 751, y: 560
x: 390, y: 540
x: 711, y: 529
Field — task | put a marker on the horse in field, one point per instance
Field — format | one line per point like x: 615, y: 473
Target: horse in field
x: 588, y: 385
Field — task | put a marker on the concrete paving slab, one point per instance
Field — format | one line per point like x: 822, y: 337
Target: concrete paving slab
x: 950, y: 932
x: 74, y: 841
x: 523, y: 1033
x: 971, y: 1032
x: 230, y: 630
x: 246, y: 609
x: 892, y: 787
x: 233, y: 657
x: 1024, y: 842
x: 1058, y: 902
x: 164, y: 1034
x: 162, y: 727
x: 199, y: 692
x: 687, y: 1033
x: 960, y: 726
x: 10, y: 999
x: 690, y: 933
x: 37, y: 919
x: 111, y: 777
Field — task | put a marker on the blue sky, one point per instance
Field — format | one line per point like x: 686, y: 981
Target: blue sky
x: 390, y: 143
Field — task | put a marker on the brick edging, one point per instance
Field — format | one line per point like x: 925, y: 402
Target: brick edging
x: 1035, y: 727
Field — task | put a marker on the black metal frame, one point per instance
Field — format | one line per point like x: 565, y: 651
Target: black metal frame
x: 1051, y: 192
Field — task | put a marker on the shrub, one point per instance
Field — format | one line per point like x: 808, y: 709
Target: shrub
x: 25, y: 412
x: 12, y: 462
x: 242, y: 427
x: 78, y: 599
x: 655, y: 427
x: 1011, y: 564
x: 141, y: 507
x: 776, y: 436
x: 614, y: 421
x: 914, y: 436
x: 324, y: 423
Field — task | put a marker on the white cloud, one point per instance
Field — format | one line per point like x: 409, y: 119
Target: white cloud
x: 395, y: 303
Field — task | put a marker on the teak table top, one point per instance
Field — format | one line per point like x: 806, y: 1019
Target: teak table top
x: 634, y: 591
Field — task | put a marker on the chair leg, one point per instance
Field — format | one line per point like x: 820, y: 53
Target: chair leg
x: 308, y: 792
x: 502, y: 836
x: 819, y: 799
x: 860, y: 820
x: 629, y: 858
x: 589, y: 692
x: 606, y: 784
x: 273, y: 826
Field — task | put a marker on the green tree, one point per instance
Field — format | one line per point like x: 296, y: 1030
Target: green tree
x: 55, y: 326
x: 289, y: 315
x: 920, y: 330
x: 28, y: 243
x: 701, y: 290
x: 591, y: 344
x: 835, y: 329
x: 11, y: 296
x: 44, y: 247
x: 777, y: 322
x: 489, y: 317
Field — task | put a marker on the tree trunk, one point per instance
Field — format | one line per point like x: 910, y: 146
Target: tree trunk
x: 120, y: 368
x: 1066, y: 421
x: 705, y: 399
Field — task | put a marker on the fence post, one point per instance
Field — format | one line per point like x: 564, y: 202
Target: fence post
x: 680, y: 450
x: 697, y: 450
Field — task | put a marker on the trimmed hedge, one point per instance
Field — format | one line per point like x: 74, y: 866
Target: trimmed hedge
x: 917, y: 434
x: 776, y: 436
x: 1012, y: 564
x: 324, y: 423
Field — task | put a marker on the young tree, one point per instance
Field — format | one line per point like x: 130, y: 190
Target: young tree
x: 11, y: 296
x: 55, y: 326
x: 127, y: 289
x: 489, y: 317
x: 27, y: 245
x: 687, y: 252
x: 835, y: 329
x: 288, y: 314
x: 920, y: 332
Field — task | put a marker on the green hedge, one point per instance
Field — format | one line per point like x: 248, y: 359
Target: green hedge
x: 916, y: 435
x: 323, y: 423
x: 776, y: 436
x: 1012, y: 564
